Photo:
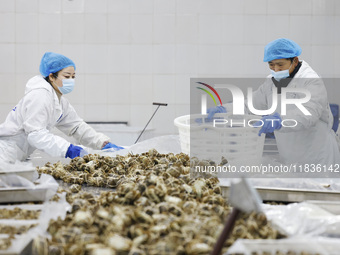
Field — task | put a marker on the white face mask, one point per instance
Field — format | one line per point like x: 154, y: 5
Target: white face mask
x: 68, y: 85
x: 281, y: 74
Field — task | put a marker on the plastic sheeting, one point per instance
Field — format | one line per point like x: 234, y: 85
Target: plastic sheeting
x: 163, y: 144
x: 18, y: 165
x: 303, y: 219
x: 18, y: 189
x: 15, y: 188
x: 49, y: 210
x: 308, y: 228
x: 24, y: 169
x: 12, y: 180
x: 315, y: 245
x: 292, y: 183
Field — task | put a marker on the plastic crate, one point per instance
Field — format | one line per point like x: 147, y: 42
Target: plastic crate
x: 232, y: 137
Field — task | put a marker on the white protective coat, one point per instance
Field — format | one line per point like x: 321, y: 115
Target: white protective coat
x: 312, y: 141
x: 27, y: 126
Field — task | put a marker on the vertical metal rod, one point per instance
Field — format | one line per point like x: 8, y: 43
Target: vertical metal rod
x: 228, y: 227
x: 147, y: 124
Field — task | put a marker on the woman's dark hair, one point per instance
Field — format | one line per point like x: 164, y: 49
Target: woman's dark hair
x: 55, y: 75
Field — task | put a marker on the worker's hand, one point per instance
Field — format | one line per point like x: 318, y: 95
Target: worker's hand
x: 211, y: 111
x: 75, y: 151
x: 270, y: 123
x: 112, y: 147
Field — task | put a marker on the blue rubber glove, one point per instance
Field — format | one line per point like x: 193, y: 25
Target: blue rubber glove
x: 218, y: 109
x: 270, y: 123
x: 211, y: 112
x: 112, y: 146
x: 75, y: 151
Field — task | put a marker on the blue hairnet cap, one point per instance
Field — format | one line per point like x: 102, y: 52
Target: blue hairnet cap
x: 53, y: 62
x: 281, y: 48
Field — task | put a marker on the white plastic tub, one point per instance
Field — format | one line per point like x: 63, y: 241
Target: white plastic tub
x: 238, y: 144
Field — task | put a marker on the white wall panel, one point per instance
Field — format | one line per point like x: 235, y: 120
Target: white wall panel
x: 118, y: 28
x: 119, y: 90
x: 164, y: 28
x: 141, y: 89
x: 119, y: 58
x: 164, y: 89
x: 7, y: 27
x: 187, y: 29
x: 26, y: 28
x: 8, y: 91
x: 72, y: 28
x: 210, y: 29
x: 130, y: 53
x: 95, y: 89
x: 164, y: 59
x: 255, y: 7
x: 255, y: 29
x: 49, y: 28
x: 50, y: 6
x: 95, y: 28
x: 141, y: 28
x: 96, y: 6
x: 164, y: 7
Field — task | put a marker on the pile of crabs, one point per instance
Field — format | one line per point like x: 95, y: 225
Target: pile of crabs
x: 154, y: 206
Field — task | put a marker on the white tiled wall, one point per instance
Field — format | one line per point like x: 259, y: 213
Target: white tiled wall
x: 131, y: 53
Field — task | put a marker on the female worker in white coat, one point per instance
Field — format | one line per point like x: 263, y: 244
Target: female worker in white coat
x: 27, y: 126
x: 309, y: 139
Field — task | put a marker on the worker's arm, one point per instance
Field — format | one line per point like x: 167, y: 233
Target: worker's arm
x: 36, y: 113
x: 72, y: 125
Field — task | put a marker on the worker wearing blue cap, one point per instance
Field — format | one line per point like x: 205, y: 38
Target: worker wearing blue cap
x: 312, y: 140
x: 28, y: 125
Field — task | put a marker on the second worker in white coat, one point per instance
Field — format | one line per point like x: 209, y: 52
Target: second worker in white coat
x: 309, y: 139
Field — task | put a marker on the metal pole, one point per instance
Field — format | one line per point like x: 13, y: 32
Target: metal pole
x: 159, y: 104
x: 228, y: 227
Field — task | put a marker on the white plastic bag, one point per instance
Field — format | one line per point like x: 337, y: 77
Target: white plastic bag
x: 163, y: 144
x: 315, y: 245
x: 303, y: 219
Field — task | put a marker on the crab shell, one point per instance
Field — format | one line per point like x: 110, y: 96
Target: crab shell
x: 196, y: 248
x: 118, y: 242
x: 75, y: 188
x: 83, y: 218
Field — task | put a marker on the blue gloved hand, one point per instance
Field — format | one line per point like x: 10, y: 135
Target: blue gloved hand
x: 211, y: 112
x: 75, y: 151
x: 270, y: 123
x: 112, y: 146
x: 218, y: 109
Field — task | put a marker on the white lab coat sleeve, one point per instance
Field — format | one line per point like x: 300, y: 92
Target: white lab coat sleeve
x: 53, y: 145
x: 36, y: 111
x: 87, y: 136
x: 316, y: 106
x: 72, y: 125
